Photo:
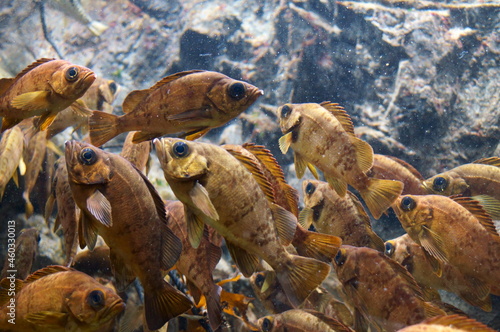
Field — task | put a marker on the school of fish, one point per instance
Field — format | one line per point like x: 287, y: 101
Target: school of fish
x: 290, y: 264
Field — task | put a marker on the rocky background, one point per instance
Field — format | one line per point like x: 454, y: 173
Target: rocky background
x: 420, y: 79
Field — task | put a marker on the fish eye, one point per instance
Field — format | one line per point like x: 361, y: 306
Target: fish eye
x: 439, y: 184
x: 88, y: 156
x: 285, y: 111
x: 72, y: 74
x: 340, y: 257
x: 259, y: 280
x: 237, y: 91
x: 267, y: 325
x: 95, y: 299
x: 112, y: 87
x: 310, y: 188
x: 408, y: 203
x: 180, y: 149
x: 389, y: 249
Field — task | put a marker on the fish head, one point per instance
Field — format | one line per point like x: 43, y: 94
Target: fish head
x: 108, y: 90
x: 414, y: 212
x: 232, y: 97
x: 87, y: 164
x: 269, y: 324
x: 399, y: 250
x: 344, y: 263
x: 289, y: 116
x: 71, y: 81
x: 93, y: 304
x: 446, y: 184
x: 314, y: 198
x: 181, y: 160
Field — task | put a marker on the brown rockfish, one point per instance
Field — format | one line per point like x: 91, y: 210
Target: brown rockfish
x: 409, y: 254
x: 24, y: 256
x: 340, y: 216
x: 217, y: 189
x: 118, y: 202
x: 455, y: 231
x: 451, y: 323
x: 311, y: 244
x: 392, y: 168
x: 59, y: 299
x: 481, y: 177
x: 68, y: 214
x: 197, y: 264
x: 44, y: 88
x: 11, y: 152
x: 322, y: 135
x: 383, y: 292
x: 301, y: 320
x: 189, y: 102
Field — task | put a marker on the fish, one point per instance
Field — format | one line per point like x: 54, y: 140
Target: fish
x: 218, y: 190
x: 189, y: 102
x: 197, y: 264
x: 43, y: 89
x: 322, y: 135
x: 95, y: 263
x: 68, y: 213
x: 455, y: 231
x: 301, y: 320
x: 450, y: 323
x: 481, y: 177
x: 26, y: 249
x: 33, y: 156
x: 384, y: 293
x: 392, y: 168
x: 136, y: 153
x: 57, y: 298
x: 11, y: 152
x: 99, y: 96
x: 74, y: 9
x: 311, y: 244
x: 119, y: 203
x: 412, y: 257
x: 340, y: 216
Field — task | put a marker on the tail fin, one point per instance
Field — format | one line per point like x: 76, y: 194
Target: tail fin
x: 162, y: 305
x: 29, y: 206
x: 214, y: 308
x: 316, y: 245
x: 380, y: 194
x: 301, y: 277
x: 103, y: 127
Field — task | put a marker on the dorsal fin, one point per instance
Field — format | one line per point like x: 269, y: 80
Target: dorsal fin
x: 493, y: 161
x: 459, y: 322
x: 361, y: 210
x: 6, y: 289
x: 409, y: 167
x: 133, y: 99
x: 173, y: 77
x: 51, y: 269
x: 341, y: 115
x: 33, y: 65
x: 254, y: 168
x: 266, y: 158
x: 477, y: 210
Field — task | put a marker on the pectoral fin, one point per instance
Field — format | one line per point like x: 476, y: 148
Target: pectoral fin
x: 32, y: 101
x: 337, y: 184
x: 44, y: 121
x: 99, y: 206
x: 284, y: 142
x: 191, y: 136
x: 201, y: 200
x: 305, y: 218
x: 194, y: 227
x: 285, y: 222
x: 87, y: 232
x: 48, y: 319
x: 191, y: 115
x: 80, y: 108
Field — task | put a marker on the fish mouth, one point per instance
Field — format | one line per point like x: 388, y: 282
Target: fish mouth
x: 111, y: 310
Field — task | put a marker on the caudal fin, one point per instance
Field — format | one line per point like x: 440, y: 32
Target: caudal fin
x: 214, y: 308
x: 316, y: 245
x: 160, y: 306
x: 103, y: 127
x: 380, y: 194
x: 301, y: 277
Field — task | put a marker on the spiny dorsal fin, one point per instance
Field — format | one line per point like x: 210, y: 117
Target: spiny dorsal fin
x: 361, y: 210
x: 477, y: 210
x: 33, y: 65
x: 341, y: 115
x: 133, y: 99
x: 493, y: 161
x: 459, y: 322
x: 51, y: 269
x: 254, y: 168
x: 267, y: 159
x: 409, y: 167
x: 173, y: 77
x: 403, y: 273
